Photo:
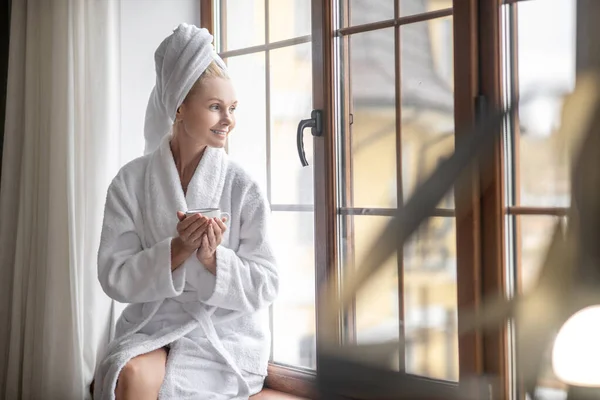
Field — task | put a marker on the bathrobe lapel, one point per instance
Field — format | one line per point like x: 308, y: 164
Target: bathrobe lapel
x: 164, y: 195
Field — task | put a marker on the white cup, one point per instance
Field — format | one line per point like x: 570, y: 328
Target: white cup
x: 209, y: 213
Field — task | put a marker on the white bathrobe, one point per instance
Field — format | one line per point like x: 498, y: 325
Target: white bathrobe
x: 216, y: 328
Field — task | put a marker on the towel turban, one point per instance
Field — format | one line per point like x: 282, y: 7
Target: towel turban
x: 180, y: 60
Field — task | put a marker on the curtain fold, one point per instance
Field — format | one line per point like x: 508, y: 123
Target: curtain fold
x: 61, y: 140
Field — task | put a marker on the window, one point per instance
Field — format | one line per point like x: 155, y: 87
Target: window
x: 270, y: 63
x: 399, y: 92
x: 398, y: 81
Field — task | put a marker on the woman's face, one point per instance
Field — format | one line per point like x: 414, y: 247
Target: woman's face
x: 208, y: 113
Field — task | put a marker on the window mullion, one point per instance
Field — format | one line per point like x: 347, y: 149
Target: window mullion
x: 399, y: 182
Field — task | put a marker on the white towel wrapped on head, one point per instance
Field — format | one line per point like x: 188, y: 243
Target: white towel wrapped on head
x: 180, y: 60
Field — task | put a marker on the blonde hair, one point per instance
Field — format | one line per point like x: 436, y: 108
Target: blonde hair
x: 212, y: 71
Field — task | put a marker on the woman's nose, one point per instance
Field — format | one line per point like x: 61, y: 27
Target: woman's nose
x: 227, y: 119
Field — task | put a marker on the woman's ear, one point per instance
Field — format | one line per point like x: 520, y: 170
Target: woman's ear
x: 178, y: 114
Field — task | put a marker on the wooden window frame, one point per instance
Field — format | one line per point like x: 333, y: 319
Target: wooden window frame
x: 494, y: 351
x: 480, y: 233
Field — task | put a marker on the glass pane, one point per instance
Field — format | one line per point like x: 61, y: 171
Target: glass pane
x: 534, y: 238
x: 294, y: 310
x: 289, y: 88
x: 376, y: 315
x: 247, y: 143
x: 412, y: 7
x: 291, y: 101
x: 430, y: 300
x: 546, y: 60
x: 367, y: 11
x: 372, y: 139
x: 534, y: 233
x: 427, y: 91
x: 235, y: 14
x: 288, y: 19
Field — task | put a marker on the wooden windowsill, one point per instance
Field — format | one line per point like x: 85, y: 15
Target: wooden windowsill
x: 288, y: 381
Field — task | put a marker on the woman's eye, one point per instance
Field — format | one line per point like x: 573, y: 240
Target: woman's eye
x: 214, y: 107
x: 232, y: 109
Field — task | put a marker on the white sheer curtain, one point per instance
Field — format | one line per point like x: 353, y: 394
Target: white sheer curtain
x: 61, y: 150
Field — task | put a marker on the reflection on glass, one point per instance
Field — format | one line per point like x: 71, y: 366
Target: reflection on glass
x: 288, y: 19
x: 376, y: 311
x: 427, y: 91
x: 546, y: 57
x: 373, y: 131
x: 367, y: 11
x: 534, y: 238
x: 430, y: 295
x: 249, y: 14
x: 294, y: 310
x: 247, y: 142
x: 413, y: 7
x: 291, y: 101
x: 535, y: 235
x: 430, y: 300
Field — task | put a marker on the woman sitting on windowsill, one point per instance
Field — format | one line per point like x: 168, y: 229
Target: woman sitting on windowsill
x: 199, y: 287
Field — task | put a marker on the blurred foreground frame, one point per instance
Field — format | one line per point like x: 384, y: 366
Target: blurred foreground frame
x: 569, y: 276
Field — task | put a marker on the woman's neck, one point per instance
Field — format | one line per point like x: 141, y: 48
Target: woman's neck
x: 187, y: 155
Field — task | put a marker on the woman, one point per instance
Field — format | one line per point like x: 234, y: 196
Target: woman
x: 199, y: 288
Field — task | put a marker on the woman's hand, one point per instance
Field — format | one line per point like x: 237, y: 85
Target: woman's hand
x: 207, y: 253
x: 190, y: 231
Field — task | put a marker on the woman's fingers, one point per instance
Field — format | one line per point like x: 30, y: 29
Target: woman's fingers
x: 212, y: 240
x: 190, y: 221
x: 205, y: 245
x: 218, y: 232
x: 193, y: 231
x: 221, y: 224
x: 199, y: 224
x: 196, y: 236
x: 199, y: 231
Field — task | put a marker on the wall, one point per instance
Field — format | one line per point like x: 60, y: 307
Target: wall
x: 144, y: 24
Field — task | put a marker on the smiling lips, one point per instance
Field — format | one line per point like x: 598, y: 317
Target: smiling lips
x: 221, y: 133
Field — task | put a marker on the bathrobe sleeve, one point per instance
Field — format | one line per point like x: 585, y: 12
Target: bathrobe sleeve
x: 247, y: 278
x: 127, y: 272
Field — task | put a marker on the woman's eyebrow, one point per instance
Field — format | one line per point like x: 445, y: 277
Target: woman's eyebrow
x: 220, y: 100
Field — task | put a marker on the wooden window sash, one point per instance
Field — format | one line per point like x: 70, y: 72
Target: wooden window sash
x: 549, y: 211
x: 491, y: 180
x: 396, y: 22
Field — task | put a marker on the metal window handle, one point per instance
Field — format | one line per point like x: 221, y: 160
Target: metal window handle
x: 316, y: 125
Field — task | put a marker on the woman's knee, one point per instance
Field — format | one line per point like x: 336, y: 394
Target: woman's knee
x: 144, y: 372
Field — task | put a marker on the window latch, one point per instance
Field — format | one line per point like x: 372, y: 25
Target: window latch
x: 316, y: 125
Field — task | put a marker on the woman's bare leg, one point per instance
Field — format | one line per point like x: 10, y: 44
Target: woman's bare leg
x: 142, y: 376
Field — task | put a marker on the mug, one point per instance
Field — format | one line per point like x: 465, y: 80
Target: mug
x: 209, y: 213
